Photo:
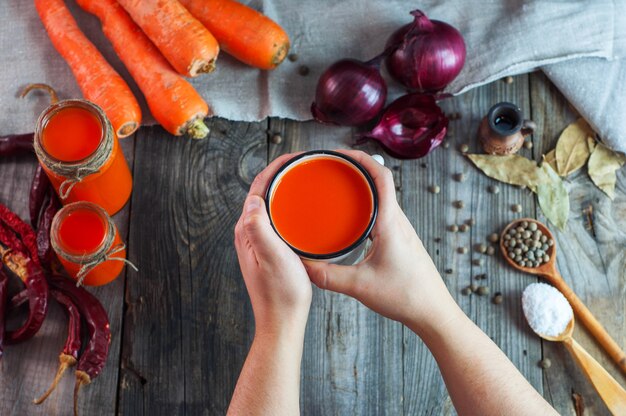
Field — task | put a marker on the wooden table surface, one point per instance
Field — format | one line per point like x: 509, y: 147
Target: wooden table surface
x: 183, y: 324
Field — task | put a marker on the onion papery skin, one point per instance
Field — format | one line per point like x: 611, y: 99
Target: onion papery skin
x: 350, y: 93
x: 426, y: 54
x: 411, y: 127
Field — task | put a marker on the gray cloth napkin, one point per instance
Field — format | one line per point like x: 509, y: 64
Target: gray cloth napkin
x: 571, y: 40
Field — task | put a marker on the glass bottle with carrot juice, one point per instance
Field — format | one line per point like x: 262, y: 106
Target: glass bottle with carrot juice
x: 79, y: 151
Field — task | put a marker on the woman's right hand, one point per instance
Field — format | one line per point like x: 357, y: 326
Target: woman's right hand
x: 397, y: 278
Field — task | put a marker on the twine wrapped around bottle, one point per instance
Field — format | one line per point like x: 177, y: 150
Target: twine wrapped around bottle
x: 74, y: 172
x: 105, y: 252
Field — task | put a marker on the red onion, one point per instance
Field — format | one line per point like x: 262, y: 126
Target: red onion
x: 428, y: 54
x: 411, y: 127
x: 350, y: 93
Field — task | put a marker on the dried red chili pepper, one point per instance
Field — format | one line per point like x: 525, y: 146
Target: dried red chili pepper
x: 37, y: 287
x: 94, y: 356
x: 24, y: 262
x: 48, y: 212
x: 11, y: 241
x: 38, y: 191
x: 25, y: 231
x: 69, y: 354
x: 4, y: 286
x: 16, y: 144
x: 18, y: 299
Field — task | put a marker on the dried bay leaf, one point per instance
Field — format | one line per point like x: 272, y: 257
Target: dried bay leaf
x: 602, y: 166
x: 572, y: 148
x: 550, y: 158
x: 512, y: 169
x: 553, y: 197
x: 591, y: 143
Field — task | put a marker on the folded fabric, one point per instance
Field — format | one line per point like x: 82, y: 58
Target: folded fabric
x: 502, y: 37
x: 596, y: 88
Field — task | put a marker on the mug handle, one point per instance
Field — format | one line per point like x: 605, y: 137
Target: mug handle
x: 528, y: 127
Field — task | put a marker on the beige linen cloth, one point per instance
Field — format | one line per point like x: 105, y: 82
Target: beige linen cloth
x: 579, y: 44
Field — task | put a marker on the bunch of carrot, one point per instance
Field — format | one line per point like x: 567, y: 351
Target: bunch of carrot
x: 160, y: 42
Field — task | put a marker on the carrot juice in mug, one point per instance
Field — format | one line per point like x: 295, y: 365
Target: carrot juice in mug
x: 323, y: 204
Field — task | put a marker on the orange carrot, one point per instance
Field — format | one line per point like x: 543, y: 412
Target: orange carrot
x: 173, y: 101
x: 96, y: 78
x: 242, y: 32
x: 185, y: 43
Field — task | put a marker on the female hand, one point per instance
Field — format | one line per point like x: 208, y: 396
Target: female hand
x: 397, y: 278
x: 278, y: 285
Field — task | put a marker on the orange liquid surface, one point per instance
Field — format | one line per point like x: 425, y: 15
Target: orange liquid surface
x: 72, y: 134
x: 321, y: 206
x: 72, y: 137
x: 81, y: 233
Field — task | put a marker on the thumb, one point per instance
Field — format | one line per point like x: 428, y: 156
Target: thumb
x: 256, y: 225
x: 342, y: 279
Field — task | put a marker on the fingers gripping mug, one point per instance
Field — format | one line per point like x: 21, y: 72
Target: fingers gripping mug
x: 323, y: 204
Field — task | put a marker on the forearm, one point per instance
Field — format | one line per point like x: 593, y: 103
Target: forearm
x: 478, y: 375
x: 269, y: 383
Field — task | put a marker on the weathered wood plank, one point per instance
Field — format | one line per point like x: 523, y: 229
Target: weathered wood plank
x: 591, y: 260
x: 188, y: 323
x: 431, y: 214
x: 352, y: 361
x: 26, y: 370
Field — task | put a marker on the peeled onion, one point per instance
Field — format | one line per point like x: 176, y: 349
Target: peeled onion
x: 411, y: 127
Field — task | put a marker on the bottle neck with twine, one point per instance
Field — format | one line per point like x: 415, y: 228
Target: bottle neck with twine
x: 106, y: 251
x: 74, y: 172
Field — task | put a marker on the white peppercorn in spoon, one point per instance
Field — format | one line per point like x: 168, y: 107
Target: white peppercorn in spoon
x: 613, y: 395
x: 550, y: 273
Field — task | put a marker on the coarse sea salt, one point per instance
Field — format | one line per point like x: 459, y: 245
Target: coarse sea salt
x: 546, y: 309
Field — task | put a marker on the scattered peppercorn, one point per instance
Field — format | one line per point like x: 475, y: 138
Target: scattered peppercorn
x: 508, y: 80
x: 277, y: 139
x: 493, y: 189
x: 480, y: 248
x: 491, y: 251
x: 454, y: 228
x: 481, y: 276
x: 459, y: 177
x: 449, y: 271
x: 293, y: 57
x: 464, y: 148
x: 497, y: 298
x: 461, y: 250
x: 437, y: 240
x: 482, y: 290
x: 545, y: 363
x: 478, y: 262
x: 303, y: 70
x: 434, y: 189
x: 458, y: 204
x: 473, y: 287
x: 471, y: 222
x: 466, y: 291
x: 494, y: 238
x: 516, y: 208
x: 463, y: 228
x: 528, y: 144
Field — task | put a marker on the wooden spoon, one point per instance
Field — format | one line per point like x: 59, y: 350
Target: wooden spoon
x: 613, y: 395
x: 549, y: 272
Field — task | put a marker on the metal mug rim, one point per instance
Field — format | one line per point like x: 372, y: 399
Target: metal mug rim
x: 370, y: 182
